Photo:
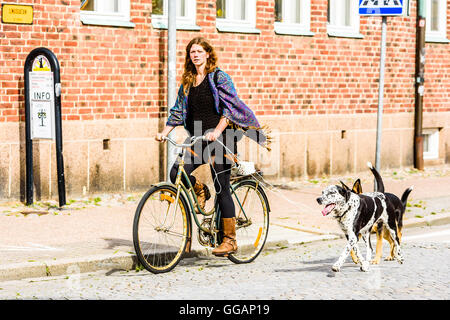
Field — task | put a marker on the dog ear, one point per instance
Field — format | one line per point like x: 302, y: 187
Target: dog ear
x: 345, y: 192
x: 357, y: 187
x: 348, y: 193
x: 344, y: 185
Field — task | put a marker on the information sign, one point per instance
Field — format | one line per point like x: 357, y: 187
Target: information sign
x: 42, y: 105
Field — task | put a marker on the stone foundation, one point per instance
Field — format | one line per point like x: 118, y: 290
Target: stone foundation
x: 122, y: 155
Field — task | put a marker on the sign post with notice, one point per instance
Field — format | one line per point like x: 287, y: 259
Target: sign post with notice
x: 43, y: 113
x: 383, y: 9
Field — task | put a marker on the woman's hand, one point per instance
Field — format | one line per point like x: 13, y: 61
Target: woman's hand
x: 160, y: 137
x: 213, y: 135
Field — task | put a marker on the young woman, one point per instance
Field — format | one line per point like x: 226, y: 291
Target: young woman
x: 207, y: 104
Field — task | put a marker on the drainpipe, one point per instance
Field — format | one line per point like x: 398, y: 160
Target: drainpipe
x: 171, y: 77
x: 419, y: 85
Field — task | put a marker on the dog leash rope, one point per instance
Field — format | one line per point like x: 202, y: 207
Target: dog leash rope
x: 266, y: 184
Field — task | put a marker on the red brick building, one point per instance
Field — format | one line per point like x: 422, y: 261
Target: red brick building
x: 308, y: 68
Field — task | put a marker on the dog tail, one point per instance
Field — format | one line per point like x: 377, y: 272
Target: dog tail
x: 405, y: 196
x: 404, y: 202
x: 378, y: 179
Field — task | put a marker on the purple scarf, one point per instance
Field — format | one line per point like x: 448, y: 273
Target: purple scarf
x: 227, y: 103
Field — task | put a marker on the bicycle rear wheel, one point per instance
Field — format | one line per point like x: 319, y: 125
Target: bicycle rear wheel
x: 252, y: 221
x: 160, y: 229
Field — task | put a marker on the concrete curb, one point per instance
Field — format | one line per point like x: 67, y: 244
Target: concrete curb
x: 68, y: 267
x: 128, y: 262
x: 431, y: 220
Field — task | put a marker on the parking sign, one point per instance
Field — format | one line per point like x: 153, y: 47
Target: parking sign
x: 383, y: 7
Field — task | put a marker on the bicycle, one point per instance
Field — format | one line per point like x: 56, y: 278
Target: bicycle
x: 162, y: 227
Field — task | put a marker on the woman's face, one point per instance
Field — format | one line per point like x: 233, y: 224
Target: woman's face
x: 198, y: 55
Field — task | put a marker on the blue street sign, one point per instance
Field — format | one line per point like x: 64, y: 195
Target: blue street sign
x: 382, y: 7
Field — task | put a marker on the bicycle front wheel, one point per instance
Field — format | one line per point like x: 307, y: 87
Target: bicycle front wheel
x: 252, y: 221
x: 160, y: 229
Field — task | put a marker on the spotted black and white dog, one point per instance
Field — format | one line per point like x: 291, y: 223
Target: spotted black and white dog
x: 356, y: 214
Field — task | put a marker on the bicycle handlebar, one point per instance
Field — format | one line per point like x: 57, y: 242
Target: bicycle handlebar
x: 185, y: 145
x: 194, y: 139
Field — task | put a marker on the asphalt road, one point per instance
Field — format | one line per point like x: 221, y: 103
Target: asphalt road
x: 280, y: 273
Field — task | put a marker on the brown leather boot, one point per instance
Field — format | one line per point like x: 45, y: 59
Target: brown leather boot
x: 228, y: 244
x: 203, y: 194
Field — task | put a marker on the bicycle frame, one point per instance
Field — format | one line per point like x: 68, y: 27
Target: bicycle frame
x: 190, y: 190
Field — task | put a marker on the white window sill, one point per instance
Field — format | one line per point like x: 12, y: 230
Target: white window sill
x: 236, y: 28
x: 344, y: 34
x: 97, y: 21
x: 163, y: 24
x: 292, y: 30
x: 436, y: 39
x: 430, y: 156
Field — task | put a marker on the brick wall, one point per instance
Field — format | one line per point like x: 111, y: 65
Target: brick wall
x: 118, y: 75
x: 110, y: 72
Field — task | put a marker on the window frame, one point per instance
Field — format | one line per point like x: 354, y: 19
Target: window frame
x: 188, y: 22
x: 336, y: 30
x: 240, y: 26
x: 288, y: 28
x: 97, y: 17
x: 432, y: 136
x: 441, y: 34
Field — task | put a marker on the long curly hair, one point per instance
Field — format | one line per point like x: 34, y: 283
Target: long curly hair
x: 190, y: 71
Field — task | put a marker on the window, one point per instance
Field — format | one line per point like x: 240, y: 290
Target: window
x: 186, y: 11
x: 236, y: 16
x: 436, y: 21
x: 343, y: 19
x: 430, y: 143
x: 293, y: 17
x: 106, y: 12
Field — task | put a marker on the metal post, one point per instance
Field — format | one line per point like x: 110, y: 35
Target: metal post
x: 419, y: 85
x: 58, y: 137
x: 29, y: 190
x: 171, y: 77
x: 380, y: 94
x: 54, y: 64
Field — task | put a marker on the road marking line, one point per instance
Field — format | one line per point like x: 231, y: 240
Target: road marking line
x: 428, y: 235
x: 34, y: 247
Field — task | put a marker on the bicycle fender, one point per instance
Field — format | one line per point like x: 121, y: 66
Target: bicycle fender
x: 183, y: 199
x: 163, y: 183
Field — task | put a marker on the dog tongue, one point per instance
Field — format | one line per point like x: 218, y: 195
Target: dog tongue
x: 328, y: 209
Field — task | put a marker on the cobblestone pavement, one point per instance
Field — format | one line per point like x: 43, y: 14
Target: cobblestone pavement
x: 281, y: 273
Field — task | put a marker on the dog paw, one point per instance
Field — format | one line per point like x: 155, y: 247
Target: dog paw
x: 375, y: 261
x: 336, y: 268
x: 400, y: 259
x: 390, y: 258
x: 365, y: 266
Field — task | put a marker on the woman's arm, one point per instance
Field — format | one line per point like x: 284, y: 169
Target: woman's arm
x: 159, y: 136
x: 175, y: 116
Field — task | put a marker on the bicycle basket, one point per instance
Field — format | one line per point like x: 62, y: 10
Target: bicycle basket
x: 244, y: 168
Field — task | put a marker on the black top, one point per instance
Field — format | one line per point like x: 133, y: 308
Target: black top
x: 201, y: 108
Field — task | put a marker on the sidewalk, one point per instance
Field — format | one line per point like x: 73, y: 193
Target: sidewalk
x: 96, y: 233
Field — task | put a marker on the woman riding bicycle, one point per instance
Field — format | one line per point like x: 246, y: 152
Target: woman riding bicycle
x: 207, y: 104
